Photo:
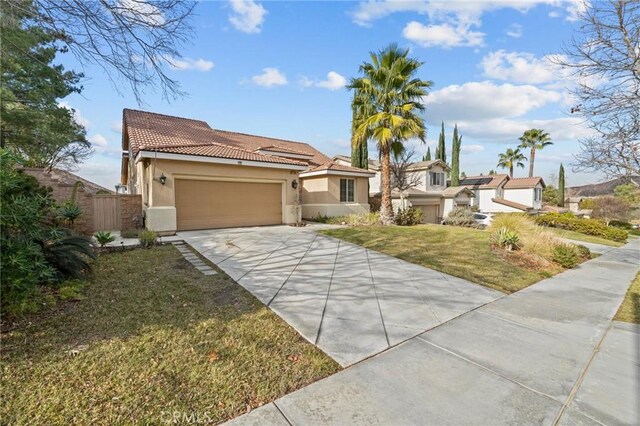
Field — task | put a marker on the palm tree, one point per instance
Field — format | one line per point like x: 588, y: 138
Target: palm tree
x: 534, y: 139
x: 389, y: 97
x: 511, y: 158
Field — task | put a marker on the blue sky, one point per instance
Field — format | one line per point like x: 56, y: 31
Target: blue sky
x: 278, y: 69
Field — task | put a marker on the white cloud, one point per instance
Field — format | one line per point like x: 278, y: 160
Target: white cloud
x: 486, y: 100
x: 189, y: 64
x: 443, y: 35
x: 98, y: 140
x: 140, y: 11
x: 452, y: 23
x: 116, y: 127
x: 471, y: 149
x: 514, y: 30
x: 334, y: 81
x: 519, y: 67
x: 77, y: 115
x: 247, y: 16
x: 508, y: 130
x: 269, y: 77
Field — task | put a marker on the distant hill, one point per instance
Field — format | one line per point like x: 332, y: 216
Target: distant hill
x: 599, y: 189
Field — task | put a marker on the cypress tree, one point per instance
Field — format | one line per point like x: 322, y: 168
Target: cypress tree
x: 427, y: 156
x: 455, y: 157
x: 561, y: 186
x: 441, y: 152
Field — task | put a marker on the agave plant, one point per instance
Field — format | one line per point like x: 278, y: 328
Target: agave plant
x: 104, y: 237
x: 67, y: 253
x: 70, y: 212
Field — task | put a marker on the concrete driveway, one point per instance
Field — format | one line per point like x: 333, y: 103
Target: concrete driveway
x: 349, y: 301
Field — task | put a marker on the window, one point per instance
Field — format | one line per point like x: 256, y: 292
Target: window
x: 347, y: 190
x: 436, y: 178
x: 537, y: 194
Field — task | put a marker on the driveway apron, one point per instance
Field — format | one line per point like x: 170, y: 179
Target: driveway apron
x: 351, y: 302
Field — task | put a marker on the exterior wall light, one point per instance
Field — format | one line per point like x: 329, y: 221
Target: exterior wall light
x: 163, y: 179
x: 294, y: 184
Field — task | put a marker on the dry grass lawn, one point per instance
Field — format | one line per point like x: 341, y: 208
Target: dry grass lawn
x: 153, y: 339
x: 462, y: 252
x: 630, y: 309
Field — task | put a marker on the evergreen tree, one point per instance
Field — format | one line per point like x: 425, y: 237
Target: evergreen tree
x: 359, y: 148
x: 561, y: 186
x: 34, y: 125
x: 441, y: 151
x: 427, y: 156
x: 455, y: 157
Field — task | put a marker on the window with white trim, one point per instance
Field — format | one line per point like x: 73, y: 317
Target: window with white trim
x: 347, y: 190
x: 436, y: 178
x: 537, y: 194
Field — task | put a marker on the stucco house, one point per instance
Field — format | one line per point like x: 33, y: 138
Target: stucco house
x: 501, y: 194
x: 432, y: 195
x: 192, y: 176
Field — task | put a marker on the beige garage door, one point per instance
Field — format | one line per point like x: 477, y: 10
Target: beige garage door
x: 430, y: 213
x: 203, y: 204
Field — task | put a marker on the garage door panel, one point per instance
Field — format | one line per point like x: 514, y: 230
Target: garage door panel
x: 430, y: 213
x: 202, y: 204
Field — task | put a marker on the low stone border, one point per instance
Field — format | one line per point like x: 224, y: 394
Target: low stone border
x: 192, y: 258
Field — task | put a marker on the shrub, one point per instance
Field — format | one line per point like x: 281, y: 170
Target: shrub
x: 609, y: 208
x: 366, y: 219
x: 587, y: 204
x: 321, y: 218
x: 566, y: 255
x: 585, y: 226
x: 621, y: 224
x: 67, y: 253
x: 409, y: 216
x: 129, y: 233
x: 583, y: 251
x: 104, y: 237
x: 460, y: 216
x: 505, y: 237
x: 148, y: 238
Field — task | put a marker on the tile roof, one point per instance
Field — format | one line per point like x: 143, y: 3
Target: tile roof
x: 280, y: 149
x: 483, y: 182
x: 330, y: 165
x: 373, y: 164
x: 223, y: 151
x: 178, y: 135
x: 453, y: 191
x: 422, y: 165
x: 527, y: 182
x: 512, y: 204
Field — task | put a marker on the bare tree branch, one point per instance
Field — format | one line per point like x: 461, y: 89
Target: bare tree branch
x: 133, y: 41
x: 402, y: 179
x: 605, y: 60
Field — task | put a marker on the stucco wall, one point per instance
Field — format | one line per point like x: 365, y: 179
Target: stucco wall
x: 325, y: 189
x: 160, y: 203
x: 310, y: 211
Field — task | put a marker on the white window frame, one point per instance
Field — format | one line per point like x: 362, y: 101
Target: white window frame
x: 348, y: 199
x: 437, y: 176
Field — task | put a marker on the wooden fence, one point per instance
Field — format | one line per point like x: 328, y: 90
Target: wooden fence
x: 106, y: 212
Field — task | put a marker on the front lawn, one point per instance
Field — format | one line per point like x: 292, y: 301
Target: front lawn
x: 572, y: 235
x: 630, y: 309
x: 152, y: 340
x: 462, y: 252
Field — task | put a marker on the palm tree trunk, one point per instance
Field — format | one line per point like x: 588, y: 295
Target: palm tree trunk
x: 511, y: 171
x: 386, y: 207
x: 532, y: 158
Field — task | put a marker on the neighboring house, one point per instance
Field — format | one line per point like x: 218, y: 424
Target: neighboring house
x: 192, y: 176
x: 431, y: 195
x: 375, y: 182
x: 500, y: 193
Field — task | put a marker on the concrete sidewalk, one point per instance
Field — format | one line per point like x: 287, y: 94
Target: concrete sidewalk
x: 531, y: 358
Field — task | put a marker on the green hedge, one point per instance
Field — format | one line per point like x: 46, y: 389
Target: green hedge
x: 585, y: 226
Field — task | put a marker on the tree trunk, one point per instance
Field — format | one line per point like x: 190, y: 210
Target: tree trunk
x: 511, y: 171
x: 386, y: 207
x: 532, y: 158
